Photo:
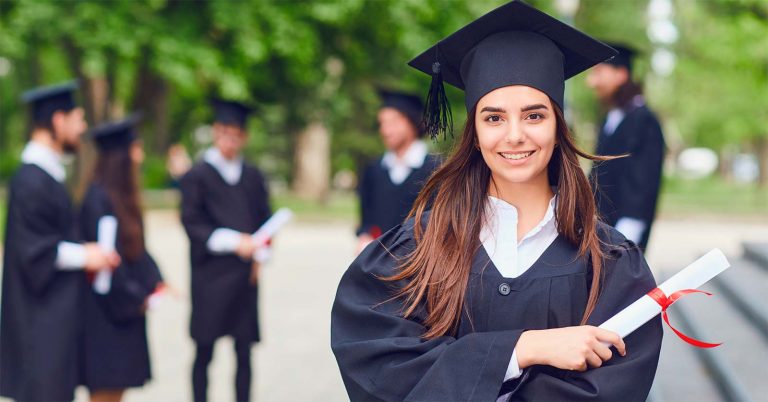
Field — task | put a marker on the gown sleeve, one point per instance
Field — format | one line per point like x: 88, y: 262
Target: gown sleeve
x: 628, y: 378
x: 640, y: 187
x: 36, y: 234
x: 381, y: 354
x: 196, y: 222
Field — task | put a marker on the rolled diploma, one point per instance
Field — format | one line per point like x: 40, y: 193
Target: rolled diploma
x: 107, y: 234
x: 645, y: 308
x: 268, y: 230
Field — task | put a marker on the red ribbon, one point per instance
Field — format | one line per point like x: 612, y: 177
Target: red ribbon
x: 375, y: 232
x: 664, y: 301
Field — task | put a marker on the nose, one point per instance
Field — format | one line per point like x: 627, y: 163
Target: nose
x: 515, y: 134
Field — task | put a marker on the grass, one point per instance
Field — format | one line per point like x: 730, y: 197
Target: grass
x: 713, y: 198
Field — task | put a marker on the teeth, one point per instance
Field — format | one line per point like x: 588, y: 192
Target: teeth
x: 516, y: 156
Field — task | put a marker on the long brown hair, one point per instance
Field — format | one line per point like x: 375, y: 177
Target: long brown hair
x: 117, y: 173
x: 437, y: 271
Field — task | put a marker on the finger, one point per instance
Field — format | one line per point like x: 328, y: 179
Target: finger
x: 613, y: 339
x: 603, y: 351
x: 594, y: 360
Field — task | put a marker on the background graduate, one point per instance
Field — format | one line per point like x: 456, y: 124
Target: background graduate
x: 626, y: 189
x: 497, y: 290
x: 224, y: 201
x: 116, y: 354
x: 389, y: 185
x: 43, y: 264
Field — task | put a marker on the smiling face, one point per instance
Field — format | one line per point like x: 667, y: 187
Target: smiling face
x: 516, y: 133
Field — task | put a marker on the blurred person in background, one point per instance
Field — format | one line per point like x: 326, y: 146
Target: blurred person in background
x: 116, y: 353
x: 224, y: 201
x: 43, y: 266
x: 389, y: 185
x: 626, y: 189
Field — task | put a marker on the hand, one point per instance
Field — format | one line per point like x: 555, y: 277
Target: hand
x: 362, y: 242
x: 255, y: 273
x: 570, y: 348
x: 246, y: 248
x: 96, y: 259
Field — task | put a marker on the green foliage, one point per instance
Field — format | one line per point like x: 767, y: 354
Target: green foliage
x: 300, y: 61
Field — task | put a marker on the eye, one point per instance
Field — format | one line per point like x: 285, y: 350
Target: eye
x: 493, y: 118
x: 535, y: 116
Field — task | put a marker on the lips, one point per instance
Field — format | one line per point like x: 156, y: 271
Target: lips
x: 516, y: 156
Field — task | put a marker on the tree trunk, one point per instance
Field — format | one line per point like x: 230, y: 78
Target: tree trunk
x: 151, y: 99
x: 761, y: 150
x: 313, y: 162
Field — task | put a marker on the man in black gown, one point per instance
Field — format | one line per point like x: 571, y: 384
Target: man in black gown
x: 224, y: 201
x: 40, y: 325
x: 389, y: 185
x: 626, y: 189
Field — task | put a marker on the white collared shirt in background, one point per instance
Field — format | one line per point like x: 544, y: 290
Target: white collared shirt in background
x: 400, y: 168
x: 230, y: 170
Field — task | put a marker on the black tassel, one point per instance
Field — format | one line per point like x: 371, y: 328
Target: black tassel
x: 437, y: 112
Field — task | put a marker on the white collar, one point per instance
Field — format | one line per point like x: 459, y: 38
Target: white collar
x: 45, y: 158
x: 413, y: 157
x: 230, y: 170
x: 499, y: 237
x: 400, y: 168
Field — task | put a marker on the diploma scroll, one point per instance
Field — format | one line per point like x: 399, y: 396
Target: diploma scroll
x: 691, y: 277
x: 106, y: 237
x: 270, y: 228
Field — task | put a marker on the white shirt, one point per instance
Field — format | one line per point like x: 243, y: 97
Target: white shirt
x: 230, y: 170
x: 512, y: 258
x: 69, y: 256
x: 400, y: 168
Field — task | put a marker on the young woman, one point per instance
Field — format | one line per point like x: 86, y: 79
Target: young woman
x: 115, y: 346
x: 496, y: 291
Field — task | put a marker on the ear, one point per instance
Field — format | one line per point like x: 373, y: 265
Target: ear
x: 57, y: 119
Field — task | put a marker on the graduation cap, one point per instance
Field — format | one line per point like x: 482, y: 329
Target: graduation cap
x: 514, y: 44
x: 45, y: 101
x: 408, y: 104
x: 625, y: 56
x: 115, y: 135
x: 230, y: 112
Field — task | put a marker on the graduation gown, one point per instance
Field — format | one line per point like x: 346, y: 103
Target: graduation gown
x: 116, y: 353
x: 382, y: 357
x: 629, y: 187
x: 384, y: 204
x: 224, y: 302
x: 40, y: 325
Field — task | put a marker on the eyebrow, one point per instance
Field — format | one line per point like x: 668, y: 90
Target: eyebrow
x: 534, y: 107
x: 523, y: 109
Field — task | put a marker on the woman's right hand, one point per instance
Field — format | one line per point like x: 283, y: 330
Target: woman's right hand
x: 569, y: 348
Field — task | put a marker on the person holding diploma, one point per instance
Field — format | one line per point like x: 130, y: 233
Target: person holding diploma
x: 627, y: 189
x: 116, y: 353
x: 224, y: 201
x: 43, y: 265
x: 389, y: 185
x: 496, y: 292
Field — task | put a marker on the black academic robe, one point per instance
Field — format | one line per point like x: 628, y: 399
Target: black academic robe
x: 40, y: 322
x: 382, y: 357
x: 629, y: 187
x: 116, y: 353
x: 224, y: 302
x: 384, y: 204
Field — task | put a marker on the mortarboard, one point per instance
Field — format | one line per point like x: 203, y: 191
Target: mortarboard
x: 45, y: 101
x: 625, y: 56
x: 409, y: 105
x: 230, y: 112
x: 514, y: 44
x: 114, y: 135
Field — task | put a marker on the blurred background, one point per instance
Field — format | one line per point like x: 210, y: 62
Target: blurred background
x: 311, y: 70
